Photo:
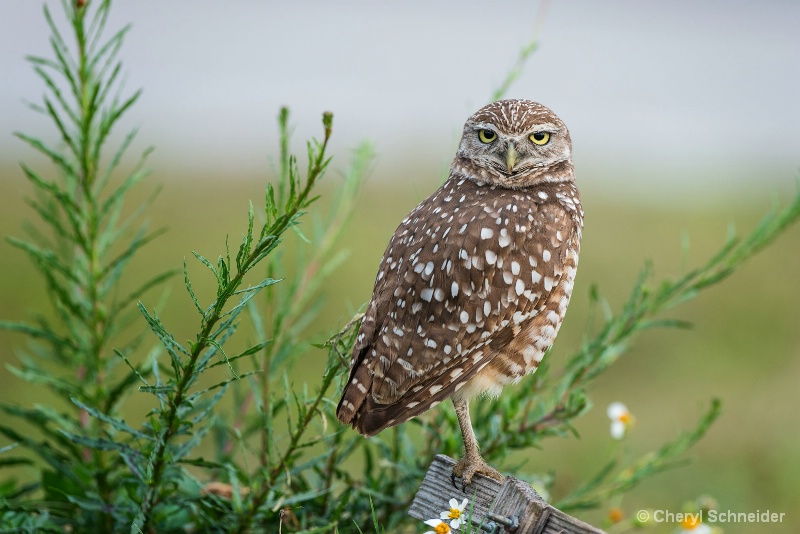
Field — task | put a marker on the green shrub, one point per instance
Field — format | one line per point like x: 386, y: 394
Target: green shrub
x: 279, y: 458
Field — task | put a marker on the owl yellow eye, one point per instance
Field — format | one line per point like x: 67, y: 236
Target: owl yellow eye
x: 487, y: 136
x: 540, y: 138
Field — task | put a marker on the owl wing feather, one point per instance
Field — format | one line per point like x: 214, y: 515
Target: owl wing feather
x: 459, y: 279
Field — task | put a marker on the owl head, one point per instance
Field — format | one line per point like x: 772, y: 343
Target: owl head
x: 514, y: 144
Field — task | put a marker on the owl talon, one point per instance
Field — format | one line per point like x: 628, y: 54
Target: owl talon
x: 467, y: 468
x: 453, y: 482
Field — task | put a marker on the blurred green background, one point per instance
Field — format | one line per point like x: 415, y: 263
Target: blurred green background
x: 684, y: 120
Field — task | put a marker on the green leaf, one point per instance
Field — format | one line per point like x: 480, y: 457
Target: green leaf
x: 158, y: 390
x: 53, y: 457
x: 65, y: 136
x: 54, y: 156
x: 47, y: 258
x: 64, y: 64
x: 113, y: 422
x: 37, y: 333
x: 58, y: 488
x: 247, y: 239
x: 34, y: 376
x: 249, y: 293
x: 172, y: 346
x: 188, y: 284
x: 137, y: 293
x: 252, y: 350
x: 100, y: 444
x: 207, y: 263
x: 63, y: 203
x: 113, y: 165
x: 221, y: 384
x: 134, y: 369
x: 50, y: 216
x: 132, y: 247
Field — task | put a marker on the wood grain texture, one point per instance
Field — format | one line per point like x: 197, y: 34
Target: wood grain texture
x: 511, y: 498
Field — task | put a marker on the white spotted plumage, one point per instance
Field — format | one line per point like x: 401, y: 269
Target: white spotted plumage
x: 489, y: 260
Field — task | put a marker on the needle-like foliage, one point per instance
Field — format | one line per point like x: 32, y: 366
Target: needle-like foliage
x: 87, y: 241
x: 279, y: 461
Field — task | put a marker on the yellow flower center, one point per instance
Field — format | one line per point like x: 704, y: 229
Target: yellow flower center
x: 690, y: 522
x: 625, y: 417
x: 455, y: 513
x: 442, y: 528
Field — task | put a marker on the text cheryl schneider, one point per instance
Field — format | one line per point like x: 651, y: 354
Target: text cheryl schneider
x: 718, y: 516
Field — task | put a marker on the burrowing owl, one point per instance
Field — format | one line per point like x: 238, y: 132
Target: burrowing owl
x: 475, y: 282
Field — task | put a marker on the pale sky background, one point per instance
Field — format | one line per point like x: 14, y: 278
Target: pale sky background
x: 661, y: 94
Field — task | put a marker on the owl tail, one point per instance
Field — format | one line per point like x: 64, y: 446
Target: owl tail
x: 353, y: 397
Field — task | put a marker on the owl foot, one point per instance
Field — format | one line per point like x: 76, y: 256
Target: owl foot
x: 468, y: 467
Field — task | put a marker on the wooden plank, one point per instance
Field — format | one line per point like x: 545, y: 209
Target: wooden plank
x: 508, y: 506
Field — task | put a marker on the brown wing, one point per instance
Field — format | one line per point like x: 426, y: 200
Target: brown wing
x: 461, y: 273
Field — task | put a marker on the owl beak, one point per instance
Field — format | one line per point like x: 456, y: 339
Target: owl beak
x: 512, y: 157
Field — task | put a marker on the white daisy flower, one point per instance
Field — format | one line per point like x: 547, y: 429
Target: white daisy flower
x: 621, y: 419
x: 456, y: 513
x: 439, y: 527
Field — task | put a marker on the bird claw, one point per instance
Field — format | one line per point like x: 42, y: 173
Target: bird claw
x: 467, y: 468
x: 453, y: 482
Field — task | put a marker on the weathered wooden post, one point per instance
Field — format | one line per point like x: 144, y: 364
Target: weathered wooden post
x: 499, y: 507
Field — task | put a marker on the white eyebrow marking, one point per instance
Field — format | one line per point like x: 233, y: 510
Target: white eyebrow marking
x: 545, y: 127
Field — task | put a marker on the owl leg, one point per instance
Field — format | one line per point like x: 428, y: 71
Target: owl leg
x: 472, y: 462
